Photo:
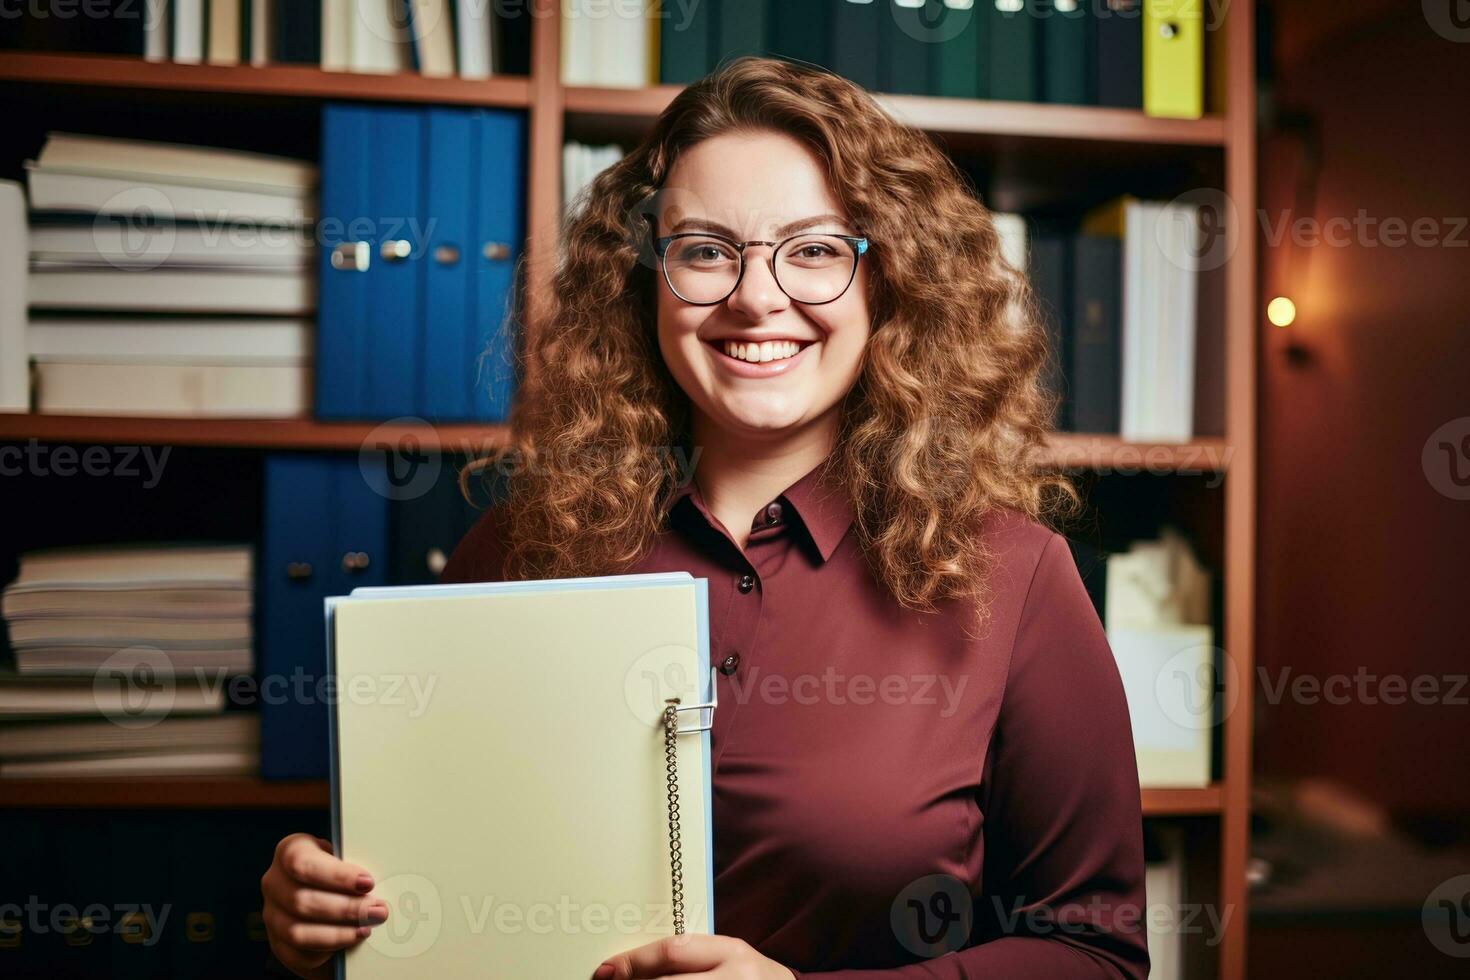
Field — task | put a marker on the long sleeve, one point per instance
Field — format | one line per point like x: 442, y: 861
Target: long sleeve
x: 1063, y: 824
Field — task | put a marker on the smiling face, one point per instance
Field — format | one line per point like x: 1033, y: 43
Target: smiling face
x: 759, y: 364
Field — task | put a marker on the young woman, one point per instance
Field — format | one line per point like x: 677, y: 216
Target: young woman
x: 923, y: 765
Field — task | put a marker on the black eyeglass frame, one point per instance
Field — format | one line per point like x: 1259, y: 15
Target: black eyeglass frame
x: 661, y: 244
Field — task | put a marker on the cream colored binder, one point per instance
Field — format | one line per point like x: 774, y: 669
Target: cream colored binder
x: 501, y: 764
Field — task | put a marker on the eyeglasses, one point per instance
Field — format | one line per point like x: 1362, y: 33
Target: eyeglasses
x: 704, y: 268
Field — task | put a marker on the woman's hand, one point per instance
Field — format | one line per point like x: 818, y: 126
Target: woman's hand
x: 693, y: 955
x: 315, y: 904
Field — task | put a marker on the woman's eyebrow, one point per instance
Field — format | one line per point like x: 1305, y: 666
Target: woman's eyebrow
x: 801, y: 224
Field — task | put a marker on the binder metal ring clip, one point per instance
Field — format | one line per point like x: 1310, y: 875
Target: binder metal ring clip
x: 706, y: 722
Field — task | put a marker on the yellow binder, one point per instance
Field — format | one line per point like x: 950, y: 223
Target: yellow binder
x: 500, y: 765
x: 1173, y: 58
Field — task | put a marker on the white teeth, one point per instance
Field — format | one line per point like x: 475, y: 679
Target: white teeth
x: 770, y: 350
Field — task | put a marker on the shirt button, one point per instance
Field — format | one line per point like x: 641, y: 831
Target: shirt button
x: 747, y: 582
x: 728, y: 665
x: 773, y: 512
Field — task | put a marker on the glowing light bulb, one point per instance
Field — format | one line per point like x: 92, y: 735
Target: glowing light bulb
x: 1281, y: 312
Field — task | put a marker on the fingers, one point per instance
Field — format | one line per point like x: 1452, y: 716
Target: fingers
x: 689, y: 953
x: 310, y: 937
x: 315, y: 905
x: 308, y: 861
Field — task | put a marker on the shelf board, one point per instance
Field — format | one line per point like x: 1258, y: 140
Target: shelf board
x: 306, y: 434
x: 1184, y: 802
x: 1065, y: 450
x: 286, y: 81
x: 1111, y: 454
x: 170, y: 793
x: 631, y: 110
x: 185, y: 793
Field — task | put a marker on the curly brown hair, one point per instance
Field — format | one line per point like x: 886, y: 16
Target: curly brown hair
x: 938, y: 432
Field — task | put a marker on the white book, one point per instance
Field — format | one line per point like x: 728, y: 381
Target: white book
x: 93, y: 736
x: 262, y: 24
x: 175, y: 163
x: 233, y: 762
x: 160, y: 340
x: 15, y: 385
x: 32, y: 696
x: 474, y: 34
x: 621, y: 54
x: 1160, y: 247
x: 155, y: 30
x: 1013, y: 238
x: 124, y: 566
x: 130, y: 196
x: 336, y: 34
x: 377, y: 41
x: 224, y: 32
x: 433, y: 37
x: 188, y: 24
x: 1168, y: 918
x: 82, y: 630
x: 120, y: 241
x: 193, y: 391
x: 577, y: 44
x: 167, y: 290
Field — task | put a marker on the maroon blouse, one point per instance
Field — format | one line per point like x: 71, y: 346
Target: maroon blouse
x: 892, y: 797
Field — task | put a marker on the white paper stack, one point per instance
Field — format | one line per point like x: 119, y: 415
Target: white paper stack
x: 1157, y: 616
x: 180, y: 258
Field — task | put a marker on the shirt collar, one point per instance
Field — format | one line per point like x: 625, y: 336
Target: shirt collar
x: 821, y: 504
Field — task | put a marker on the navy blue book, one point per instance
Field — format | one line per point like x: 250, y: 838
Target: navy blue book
x: 1050, y: 271
x: 298, y: 32
x: 856, y: 25
x: 425, y: 526
x: 1118, y: 53
x: 326, y: 533
x: 1097, y: 367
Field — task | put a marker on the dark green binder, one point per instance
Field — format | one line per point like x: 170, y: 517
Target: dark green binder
x: 854, y: 50
x: 799, y: 30
x: 685, y: 43
x: 1067, y: 49
x: 1014, y: 46
x: 962, y: 51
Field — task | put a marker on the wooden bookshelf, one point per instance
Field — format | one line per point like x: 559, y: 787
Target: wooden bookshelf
x: 183, y: 793
x: 304, y: 434
x: 1064, y: 450
x: 288, y: 81
x: 1041, y: 148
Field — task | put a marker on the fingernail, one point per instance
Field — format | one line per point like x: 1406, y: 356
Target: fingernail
x: 363, y: 932
x: 376, y: 914
x: 603, y: 972
x: 364, y: 883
